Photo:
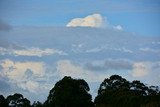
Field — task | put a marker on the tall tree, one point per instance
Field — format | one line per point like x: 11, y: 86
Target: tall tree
x: 37, y: 104
x: 69, y: 92
x: 3, y: 102
x: 113, y: 83
x: 118, y: 92
x: 138, y: 88
x: 110, y: 88
x: 17, y: 100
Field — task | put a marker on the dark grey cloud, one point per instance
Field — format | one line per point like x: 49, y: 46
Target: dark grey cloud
x: 118, y: 64
x: 92, y: 67
x: 4, y: 26
x: 110, y: 64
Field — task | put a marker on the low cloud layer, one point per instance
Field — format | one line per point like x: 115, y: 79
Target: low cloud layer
x: 67, y: 68
x: 147, y: 71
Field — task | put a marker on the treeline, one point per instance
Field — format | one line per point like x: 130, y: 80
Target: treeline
x: 113, y: 92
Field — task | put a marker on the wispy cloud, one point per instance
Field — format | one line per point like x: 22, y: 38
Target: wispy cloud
x: 146, y: 49
x: 105, y: 48
x: 156, y: 43
x: 118, y: 27
x: 33, y: 51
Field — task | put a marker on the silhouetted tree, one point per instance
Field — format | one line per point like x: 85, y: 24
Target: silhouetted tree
x: 37, y: 104
x: 113, y: 92
x: 139, y: 88
x: 3, y: 102
x: 17, y: 100
x: 111, y: 88
x: 153, y: 90
x: 118, y: 92
x: 113, y: 83
x: 69, y: 92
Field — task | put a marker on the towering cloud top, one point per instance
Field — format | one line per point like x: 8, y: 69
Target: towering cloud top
x: 94, y: 20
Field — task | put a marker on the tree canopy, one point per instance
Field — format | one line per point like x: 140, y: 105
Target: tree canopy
x: 118, y: 92
x: 17, y: 100
x: 69, y: 92
x: 3, y: 102
x: 114, y: 91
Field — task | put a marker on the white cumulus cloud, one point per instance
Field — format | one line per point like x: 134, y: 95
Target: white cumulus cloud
x: 94, y: 20
x: 148, y: 71
x: 16, y: 72
x: 141, y: 69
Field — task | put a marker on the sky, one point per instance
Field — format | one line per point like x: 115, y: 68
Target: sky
x: 41, y: 41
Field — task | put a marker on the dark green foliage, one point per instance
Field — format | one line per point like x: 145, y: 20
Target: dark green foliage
x: 118, y: 92
x: 113, y: 92
x: 113, y: 83
x: 3, y: 102
x: 17, y: 100
x: 69, y: 92
x: 37, y: 104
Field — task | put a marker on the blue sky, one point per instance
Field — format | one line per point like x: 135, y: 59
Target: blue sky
x: 42, y: 41
x: 139, y: 16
